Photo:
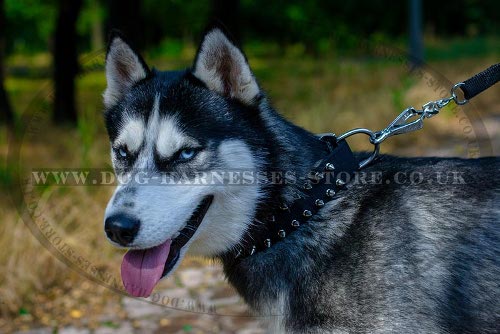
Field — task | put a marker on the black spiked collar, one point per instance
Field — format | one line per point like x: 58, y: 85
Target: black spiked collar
x: 322, y: 184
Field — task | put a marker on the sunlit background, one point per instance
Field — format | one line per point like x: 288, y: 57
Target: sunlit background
x: 328, y: 66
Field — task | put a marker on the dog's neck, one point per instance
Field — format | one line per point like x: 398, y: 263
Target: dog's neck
x: 264, y: 246
x: 294, y: 150
x: 294, y: 153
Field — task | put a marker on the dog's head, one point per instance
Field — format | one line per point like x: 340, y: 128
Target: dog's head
x: 167, y: 128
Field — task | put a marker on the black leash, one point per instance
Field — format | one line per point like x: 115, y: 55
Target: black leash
x: 481, y: 81
x: 333, y: 172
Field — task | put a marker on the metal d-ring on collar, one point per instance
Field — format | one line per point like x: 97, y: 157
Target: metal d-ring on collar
x: 376, y: 146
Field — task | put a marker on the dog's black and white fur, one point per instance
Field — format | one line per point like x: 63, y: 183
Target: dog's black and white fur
x: 384, y: 257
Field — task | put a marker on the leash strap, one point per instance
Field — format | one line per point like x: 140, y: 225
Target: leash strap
x: 481, y: 81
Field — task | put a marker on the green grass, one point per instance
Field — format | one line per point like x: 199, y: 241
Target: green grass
x: 462, y: 48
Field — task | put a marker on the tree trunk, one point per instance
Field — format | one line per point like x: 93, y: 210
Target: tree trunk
x: 65, y: 62
x: 6, y: 114
x: 227, y: 12
x: 97, y: 40
x: 416, y: 39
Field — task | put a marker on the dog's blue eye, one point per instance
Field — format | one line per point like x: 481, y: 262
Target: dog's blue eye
x: 187, y: 153
x: 122, y: 152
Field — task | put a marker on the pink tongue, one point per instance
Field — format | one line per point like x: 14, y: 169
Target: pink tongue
x: 142, y: 269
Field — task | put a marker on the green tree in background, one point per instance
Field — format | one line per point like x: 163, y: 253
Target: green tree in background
x: 90, y: 24
x: 66, y: 62
x: 30, y: 25
x: 6, y: 114
x: 32, y: 22
x: 164, y: 27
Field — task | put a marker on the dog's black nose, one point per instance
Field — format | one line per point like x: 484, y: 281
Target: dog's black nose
x: 121, y: 228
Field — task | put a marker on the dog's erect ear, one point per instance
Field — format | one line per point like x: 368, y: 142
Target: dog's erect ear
x: 223, y: 68
x: 124, y: 68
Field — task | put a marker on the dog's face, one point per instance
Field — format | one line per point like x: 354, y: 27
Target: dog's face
x: 166, y: 128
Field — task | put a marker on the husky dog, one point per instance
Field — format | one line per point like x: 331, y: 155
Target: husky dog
x: 416, y: 256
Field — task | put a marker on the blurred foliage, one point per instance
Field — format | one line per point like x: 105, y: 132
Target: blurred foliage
x: 30, y: 24
x: 317, y: 24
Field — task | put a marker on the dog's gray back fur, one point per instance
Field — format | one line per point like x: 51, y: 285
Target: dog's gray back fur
x: 383, y: 258
x: 411, y: 247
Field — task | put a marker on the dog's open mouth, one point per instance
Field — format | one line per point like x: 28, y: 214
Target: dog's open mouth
x: 141, y: 269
